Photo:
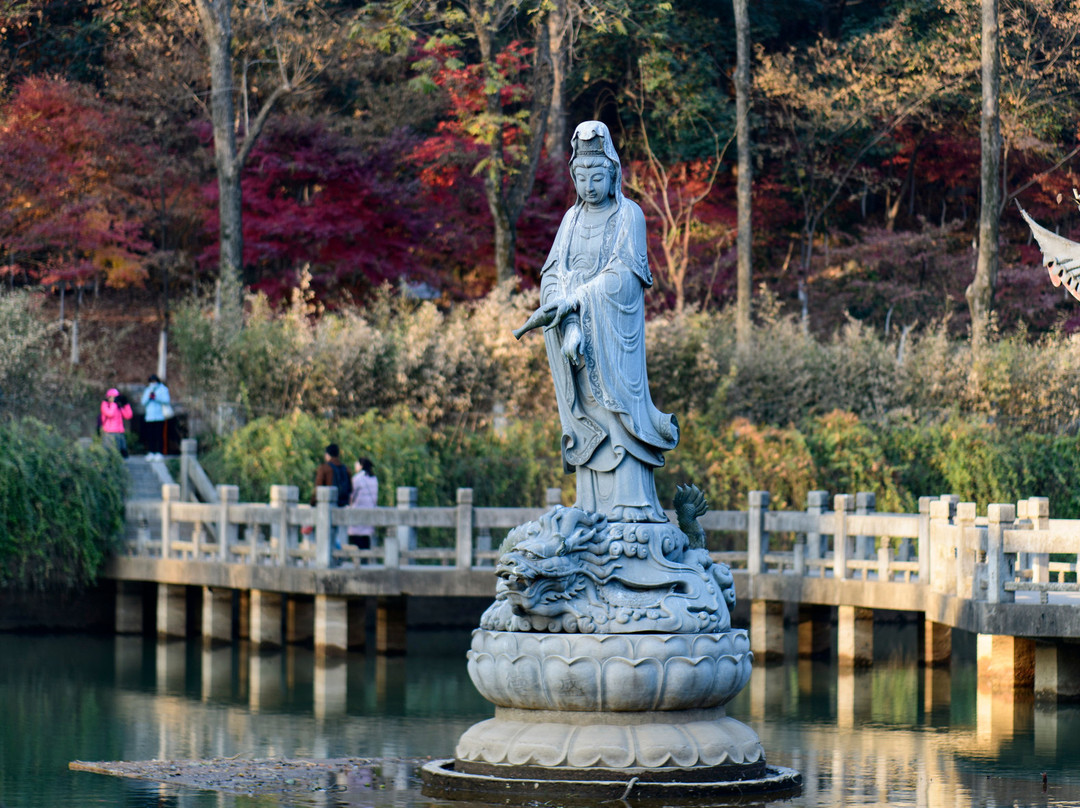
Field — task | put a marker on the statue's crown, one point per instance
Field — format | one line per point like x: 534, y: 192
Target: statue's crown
x: 594, y: 145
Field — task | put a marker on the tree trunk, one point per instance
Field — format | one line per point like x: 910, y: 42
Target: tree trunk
x: 744, y: 270
x: 558, y: 29
x: 215, y: 17
x: 980, y: 292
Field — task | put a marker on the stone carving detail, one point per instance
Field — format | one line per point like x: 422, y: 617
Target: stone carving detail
x: 612, y: 672
x: 573, y: 571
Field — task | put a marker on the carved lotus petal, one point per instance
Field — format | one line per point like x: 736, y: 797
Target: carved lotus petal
x: 611, y: 645
x: 543, y: 744
x: 725, y: 741
x: 661, y: 646
x: 666, y: 745
x: 482, y: 672
x: 572, y: 684
x: 689, y: 683
x: 521, y: 677
x: 631, y: 684
x: 601, y: 745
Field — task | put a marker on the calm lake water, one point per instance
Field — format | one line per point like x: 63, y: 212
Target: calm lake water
x: 892, y: 735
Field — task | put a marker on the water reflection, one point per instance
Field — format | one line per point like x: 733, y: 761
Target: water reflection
x: 895, y: 734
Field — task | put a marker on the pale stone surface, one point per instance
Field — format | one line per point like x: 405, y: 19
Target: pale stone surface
x: 767, y: 629
x: 265, y: 617
x: 854, y: 636
x: 217, y: 614
x: 592, y: 309
x: 331, y: 624
x: 171, y: 610
x: 615, y: 673
x: 574, y: 571
x: 1005, y: 663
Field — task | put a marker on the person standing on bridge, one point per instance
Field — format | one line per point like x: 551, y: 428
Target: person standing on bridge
x: 365, y: 494
x: 333, y: 472
x: 115, y: 409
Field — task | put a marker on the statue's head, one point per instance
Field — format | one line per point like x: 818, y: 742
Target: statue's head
x: 591, y: 147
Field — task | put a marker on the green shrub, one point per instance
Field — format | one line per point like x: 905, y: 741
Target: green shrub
x: 61, y: 507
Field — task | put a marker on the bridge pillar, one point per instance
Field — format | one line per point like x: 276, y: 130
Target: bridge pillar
x: 814, y: 630
x: 264, y: 625
x: 357, y: 632
x: 331, y: 625
x: 217, y: 613
x: 390, y: 625
x: 299, y: 619
x: 767, y: 630
x: 1057, y: 672
x: 129, y: 607
x: 1005, y: 663
x: 243, y: 614
x: 854, y: 636
x: 937, y: 688
x: 935, y: 647
x: 171, y: 610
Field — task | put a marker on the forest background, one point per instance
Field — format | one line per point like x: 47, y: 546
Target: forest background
x: 322, y: 219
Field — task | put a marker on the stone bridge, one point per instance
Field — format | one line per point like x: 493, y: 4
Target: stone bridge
x: 270, y: 573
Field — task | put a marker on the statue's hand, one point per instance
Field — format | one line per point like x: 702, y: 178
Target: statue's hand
x: 547, y: 316
x: 571, y: 343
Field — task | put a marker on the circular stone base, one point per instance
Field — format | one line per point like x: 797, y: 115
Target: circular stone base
x: 442, y: 780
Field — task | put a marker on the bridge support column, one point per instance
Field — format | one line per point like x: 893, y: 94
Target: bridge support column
x: 814, y: 630
x: 357, y: 622
x: 299, y: 619
x: 937, y: 688
x: 854, y: 636
x: 171, y: 610
x: 935, y: 647
x: 129, y: 607
x: 331, y: 625
x: 767, y: 630
x: 390, y: 625
x: 1005, y: 663
x: 1057, y: 672
x: 265, y: 621
x: 243, y: 614
x: 217, y: 612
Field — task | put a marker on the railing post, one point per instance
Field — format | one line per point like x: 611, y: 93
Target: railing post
x: 169, y: 495
x: 967, y: 550
x: 885, y: 559
x: 227, y: 531
x: 325, y: 498
x: 940, y: 544
x: 865, y: 503
x: 552, y: 497
x: 757, y: 540
x: 817, y: 502
x: 406, y: 534
x: 923, y: 548
x: 843, y: 506
x: 281, y: 498
x: 999, y: 567
x: 189, y: 449
x: 464, y: 542
x: 1038, y: 511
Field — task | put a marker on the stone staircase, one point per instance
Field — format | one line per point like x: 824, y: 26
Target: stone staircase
x: 147, y: 477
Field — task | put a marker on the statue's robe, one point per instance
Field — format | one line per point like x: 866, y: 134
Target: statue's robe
x: 613, y: 435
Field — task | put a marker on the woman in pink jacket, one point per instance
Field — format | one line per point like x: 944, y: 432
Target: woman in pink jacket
x: 114, y: 411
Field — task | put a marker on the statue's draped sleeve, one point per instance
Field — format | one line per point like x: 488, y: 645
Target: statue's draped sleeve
x: 611, y: 316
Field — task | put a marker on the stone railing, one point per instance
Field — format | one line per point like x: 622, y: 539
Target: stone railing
x: 944, y: 546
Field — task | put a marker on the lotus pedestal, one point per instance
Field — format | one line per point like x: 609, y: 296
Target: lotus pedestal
x: 604, y: 716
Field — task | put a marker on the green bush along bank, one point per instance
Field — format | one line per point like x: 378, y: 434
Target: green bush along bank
x: 61, y: 507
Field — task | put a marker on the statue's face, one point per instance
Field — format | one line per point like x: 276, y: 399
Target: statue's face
x: 593, y: 183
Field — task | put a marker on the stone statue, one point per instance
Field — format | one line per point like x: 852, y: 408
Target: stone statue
x: 608, y: 651
x: 592, y: 309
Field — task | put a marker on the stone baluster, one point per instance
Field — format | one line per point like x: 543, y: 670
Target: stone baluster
x: 464, y: 538
x: 170, y: 530
x: 406, y: 534
x: 227, y: 530
x: 843, y: 506
x: 325, y: 499
x: 865, y: 503
x: 757, y: 540
x: 999, y: 565
x: 817, y: 503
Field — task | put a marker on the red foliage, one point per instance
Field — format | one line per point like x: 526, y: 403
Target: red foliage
x: 69, y: 207
x: 314, y: 199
